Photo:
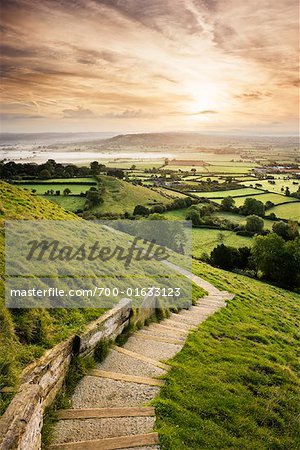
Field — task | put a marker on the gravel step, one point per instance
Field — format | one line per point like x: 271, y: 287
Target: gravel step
x: 180, y: 326
x: 95, y: 392
x: 160, y: 330
x: 188, y: 320
x: 119, y: 362
x: 75, y: 430
x: 158, y: 338
x: 152, y: 349
x: 143, y: 358
x: 141, y: 441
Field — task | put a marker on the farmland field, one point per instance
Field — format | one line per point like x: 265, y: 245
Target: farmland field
x: 205, y: 240
x: 231, y: 193
x: 287, y: 211
x: 275, y: 198
x: 238, y: 168
x: 40, y: 189
x: 279, y: 183
x: 169, y: 192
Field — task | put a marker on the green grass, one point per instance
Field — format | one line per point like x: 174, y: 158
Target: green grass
x: 121, y: 196
x: 169, y: 193
x: 279, y: 183
x: 72, y: 204
x: 18, y: 326
x: 235, y: 384
x: 42, y: 188
x: 26, y: 333
x: 65, y: 180
x: 205, y: 240
x: 275, y: 198
x: 287, y: 211
x: 230, y: 193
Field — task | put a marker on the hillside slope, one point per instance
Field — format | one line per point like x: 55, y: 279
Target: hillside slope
x: 25, y: 334
x: 236, y: 383
x: 120, y: 196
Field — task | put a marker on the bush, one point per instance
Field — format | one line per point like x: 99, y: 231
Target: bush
x: 254, y: 224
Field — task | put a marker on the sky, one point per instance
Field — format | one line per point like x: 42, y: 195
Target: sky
x: 209, y: 66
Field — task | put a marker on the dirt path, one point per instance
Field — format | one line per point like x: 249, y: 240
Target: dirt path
x: 109, y: 404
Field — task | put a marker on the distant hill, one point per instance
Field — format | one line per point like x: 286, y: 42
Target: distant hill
x: 160, y: 140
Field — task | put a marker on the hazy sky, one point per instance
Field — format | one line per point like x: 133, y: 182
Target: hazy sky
x: 150, y: 65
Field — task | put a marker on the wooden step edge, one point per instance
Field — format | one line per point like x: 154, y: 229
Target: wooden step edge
x: 137, y: 440
x: 125, y: 377
x: 148, y: 336
x: 141, y: 357
x: 98, y: 413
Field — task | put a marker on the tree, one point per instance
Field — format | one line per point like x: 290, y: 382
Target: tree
x: 194, y: 216
x: 224, y: 257
x: 95, y: 168
x: 277, y: 260
x: 67, y: 191
x: 269, y: 204
x: 287, y: 191
x: 94, y: 198
x: 227, y: 203
x: 253, y: 206
x: 288, y: 231
x: 44, y: 174
x: 141, y: 210
x: 254, y: 224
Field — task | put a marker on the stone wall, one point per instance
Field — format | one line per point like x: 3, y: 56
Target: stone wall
x: 21, y: 424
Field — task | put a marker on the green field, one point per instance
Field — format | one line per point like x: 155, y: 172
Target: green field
x: 230, y: 192
x: 275, y: 198
x: 75, y: 189
x: 287, y: 211
x: 169, y: 193
x: 280, y: 183
x: 237, y: 219
x: 205, y: 240
x: 235, y: 168
x: 235, y: 384
x: 72, y: 203
x: 140, y: 164
x: 240, y: 220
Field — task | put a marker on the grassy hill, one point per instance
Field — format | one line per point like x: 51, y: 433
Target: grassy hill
x: 236, y: 383
x: 24, y: 335
x: 121, y: 196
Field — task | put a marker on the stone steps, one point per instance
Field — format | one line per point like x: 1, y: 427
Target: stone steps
x: 109, y: 406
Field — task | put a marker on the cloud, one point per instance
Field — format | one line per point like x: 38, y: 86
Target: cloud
x: 9, y: 117
x: 78, y: 113
x: 147, y: 59
x: 206, y: 111
x: 254, y: 95
x: 127, y: 114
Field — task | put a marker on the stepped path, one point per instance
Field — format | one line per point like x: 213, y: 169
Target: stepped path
x: 109, y: 405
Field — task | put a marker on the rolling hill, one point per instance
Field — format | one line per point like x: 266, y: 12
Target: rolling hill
x: 120, y: 197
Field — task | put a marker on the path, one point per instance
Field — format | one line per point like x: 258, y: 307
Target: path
x: 109, y: 404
